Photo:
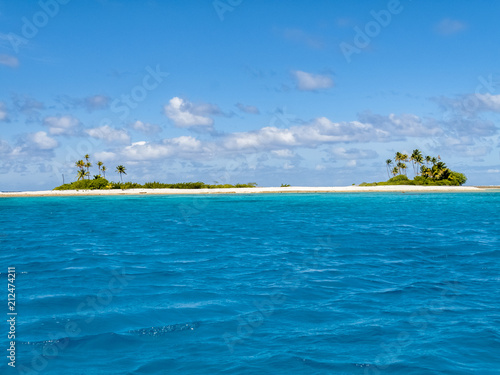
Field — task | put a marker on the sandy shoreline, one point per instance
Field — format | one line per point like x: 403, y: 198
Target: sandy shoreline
x: 256, y: 190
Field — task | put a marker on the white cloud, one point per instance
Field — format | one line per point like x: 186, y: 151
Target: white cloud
x: 493, y: 171
x: 42, y: 141
x: 3, y: 112
x: 283, y: 153
x: 105, y: 155
x: 489, y: 102
x: 62, y: 125
x: 146, y: 151
x: 318, y: 132
x: 8, y: 60
x: 184, y: 114
x: 448, y: 26
x: 400, y: 126
x: 185, y: 147
x: 146, y: 128
x: 109, y: 134
x: 311, y: 82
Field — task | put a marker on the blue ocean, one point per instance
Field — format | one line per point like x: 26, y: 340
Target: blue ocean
x: 368, y: 283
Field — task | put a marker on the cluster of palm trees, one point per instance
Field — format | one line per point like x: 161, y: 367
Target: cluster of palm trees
x: 427, y: 166
x: 84, y: 169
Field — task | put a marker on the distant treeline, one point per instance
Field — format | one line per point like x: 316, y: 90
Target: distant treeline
x: 102, y: 183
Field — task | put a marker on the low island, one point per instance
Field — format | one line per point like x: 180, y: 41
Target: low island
x: 431, y: 175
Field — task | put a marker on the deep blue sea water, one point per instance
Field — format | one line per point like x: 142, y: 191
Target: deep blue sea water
x: 381, y: 283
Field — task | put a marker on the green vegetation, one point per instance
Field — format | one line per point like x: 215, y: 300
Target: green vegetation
x: 99, y: 181
x: 428, y: 171
x: 285, y: 185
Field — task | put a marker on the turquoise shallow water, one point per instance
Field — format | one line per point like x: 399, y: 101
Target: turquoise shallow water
x: 255, y: 284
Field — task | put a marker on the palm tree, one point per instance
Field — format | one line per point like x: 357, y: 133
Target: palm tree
x: 99, y: 165
x: 420, y: 161
x: 388, y: 163
x: 403, y: 167
x: 427, y: 160
x: 121, y: 170
x: 81, y: 174
x: 394, y: 171
x: 400, y: 165
x: 423, y: 171
x: 88, y: 165
x: 413, y: 156
x: 416, y: 159
x: 398, y: 158
x: 434, y: 161
x: 80, y: 164
x: 103, y: 169
x: 440, y: 170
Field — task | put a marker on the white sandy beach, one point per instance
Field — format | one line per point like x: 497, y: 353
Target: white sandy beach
x: 256, y: 190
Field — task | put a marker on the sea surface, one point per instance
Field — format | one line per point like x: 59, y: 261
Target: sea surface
x: 368, y: 283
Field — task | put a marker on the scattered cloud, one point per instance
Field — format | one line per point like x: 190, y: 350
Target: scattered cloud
x: 469, y: 105
x: 4, y: 147
x: 90, y: 103
x: 96, y: 102
x: 3, y: 112
x: 61, y: 125
x: 399, y: 127
x: 109, y: 134
x: 354, y: 153
x: 185, y: 146
x: 284, y: 153
x: 301, y: 37
x: 448, y: 26
x: 489, y: 102
x: 41, y: 141
x: 248, y: 108
x: 28, y: 106
x: 9, y: 60
x: 313, y: 134
x: 493, y: 171
x: 185, y: 114
x: 311, y: 82
x: 146, y: 128
x: 105, y: 155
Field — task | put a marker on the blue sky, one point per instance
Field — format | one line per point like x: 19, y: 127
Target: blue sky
x: 232, y: 91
